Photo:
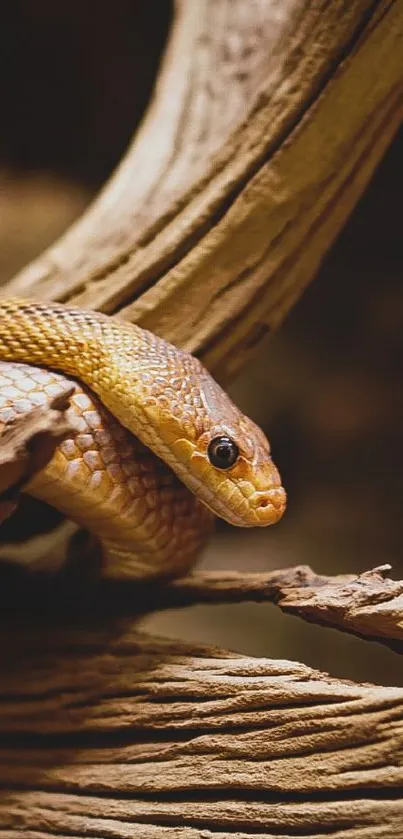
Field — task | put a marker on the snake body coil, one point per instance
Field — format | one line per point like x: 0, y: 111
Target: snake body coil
x: 161, y: 399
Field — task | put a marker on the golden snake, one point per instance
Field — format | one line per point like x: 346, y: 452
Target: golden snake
x: 149, y: 396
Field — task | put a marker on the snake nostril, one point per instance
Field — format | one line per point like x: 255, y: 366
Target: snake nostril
x: 274, y: 498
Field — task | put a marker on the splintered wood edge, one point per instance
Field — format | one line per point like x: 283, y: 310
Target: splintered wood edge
x: 369, y: 605
x: 27, y: 444
x: 126, y: 735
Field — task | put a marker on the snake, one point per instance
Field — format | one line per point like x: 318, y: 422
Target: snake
x: 160, y: 448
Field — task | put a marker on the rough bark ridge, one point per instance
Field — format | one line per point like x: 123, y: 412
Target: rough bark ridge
x: 110, y: 736
x: 268, y: 120
x: 369, y: 605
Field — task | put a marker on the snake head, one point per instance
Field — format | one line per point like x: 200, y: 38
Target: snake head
x: 217, y: 451
x: 240, y: 481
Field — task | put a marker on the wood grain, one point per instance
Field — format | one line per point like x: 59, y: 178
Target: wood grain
x: 263, y: 132
x: 369, y: 605
x: 107, y: 736
x: 28, y: 443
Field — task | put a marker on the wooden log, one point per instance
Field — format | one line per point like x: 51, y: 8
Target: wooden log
x: 116, y: 736
x: 263, y: 133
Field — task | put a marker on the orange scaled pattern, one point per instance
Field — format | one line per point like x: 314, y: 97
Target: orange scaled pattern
x: 131, y: 490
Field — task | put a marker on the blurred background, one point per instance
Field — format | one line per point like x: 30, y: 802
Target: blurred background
x: 74, y: 82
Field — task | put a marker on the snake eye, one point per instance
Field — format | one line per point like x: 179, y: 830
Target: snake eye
x: 222, y: 452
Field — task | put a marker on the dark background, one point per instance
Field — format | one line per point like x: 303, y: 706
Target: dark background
x: 74, y: 82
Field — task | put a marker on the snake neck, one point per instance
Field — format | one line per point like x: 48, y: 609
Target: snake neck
x: 102, y: 478
x: 126, y: 366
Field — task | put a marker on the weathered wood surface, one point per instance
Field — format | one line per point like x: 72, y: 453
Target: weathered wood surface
x: 28, y: 444
x: 117, y: 736
x: 369, y: 605
x: 107, y: 732
x: 267, y: 123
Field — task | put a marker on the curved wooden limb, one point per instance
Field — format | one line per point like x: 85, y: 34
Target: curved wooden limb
x: 264, y: 131
x: 133, y: 736
x: 369, y: 605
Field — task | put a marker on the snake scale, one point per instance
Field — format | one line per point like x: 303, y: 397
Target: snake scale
x: 159, y: 445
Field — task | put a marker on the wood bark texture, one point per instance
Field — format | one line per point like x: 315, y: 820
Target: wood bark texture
x: 268, y: 120
x: 108, y: 735
x: 369, y: 605
x: 28, y: 444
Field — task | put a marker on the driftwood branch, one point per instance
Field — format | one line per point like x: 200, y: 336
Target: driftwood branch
x: 369, y: 605
x: 27, y: 445
x: 263, y: 133
x: 124, y: 736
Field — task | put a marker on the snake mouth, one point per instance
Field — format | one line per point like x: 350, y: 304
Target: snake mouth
x: 235, y: 498
x: 261, y: 510
x: 268, y: 506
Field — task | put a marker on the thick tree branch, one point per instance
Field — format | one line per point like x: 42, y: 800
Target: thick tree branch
x: 129, y: 736
x: 264, y: 131
x: 369, y: 605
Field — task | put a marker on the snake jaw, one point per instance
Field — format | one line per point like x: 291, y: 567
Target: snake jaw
x: 248, y: 495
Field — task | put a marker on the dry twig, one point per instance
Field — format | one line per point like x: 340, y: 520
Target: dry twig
x: 369, y: 605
